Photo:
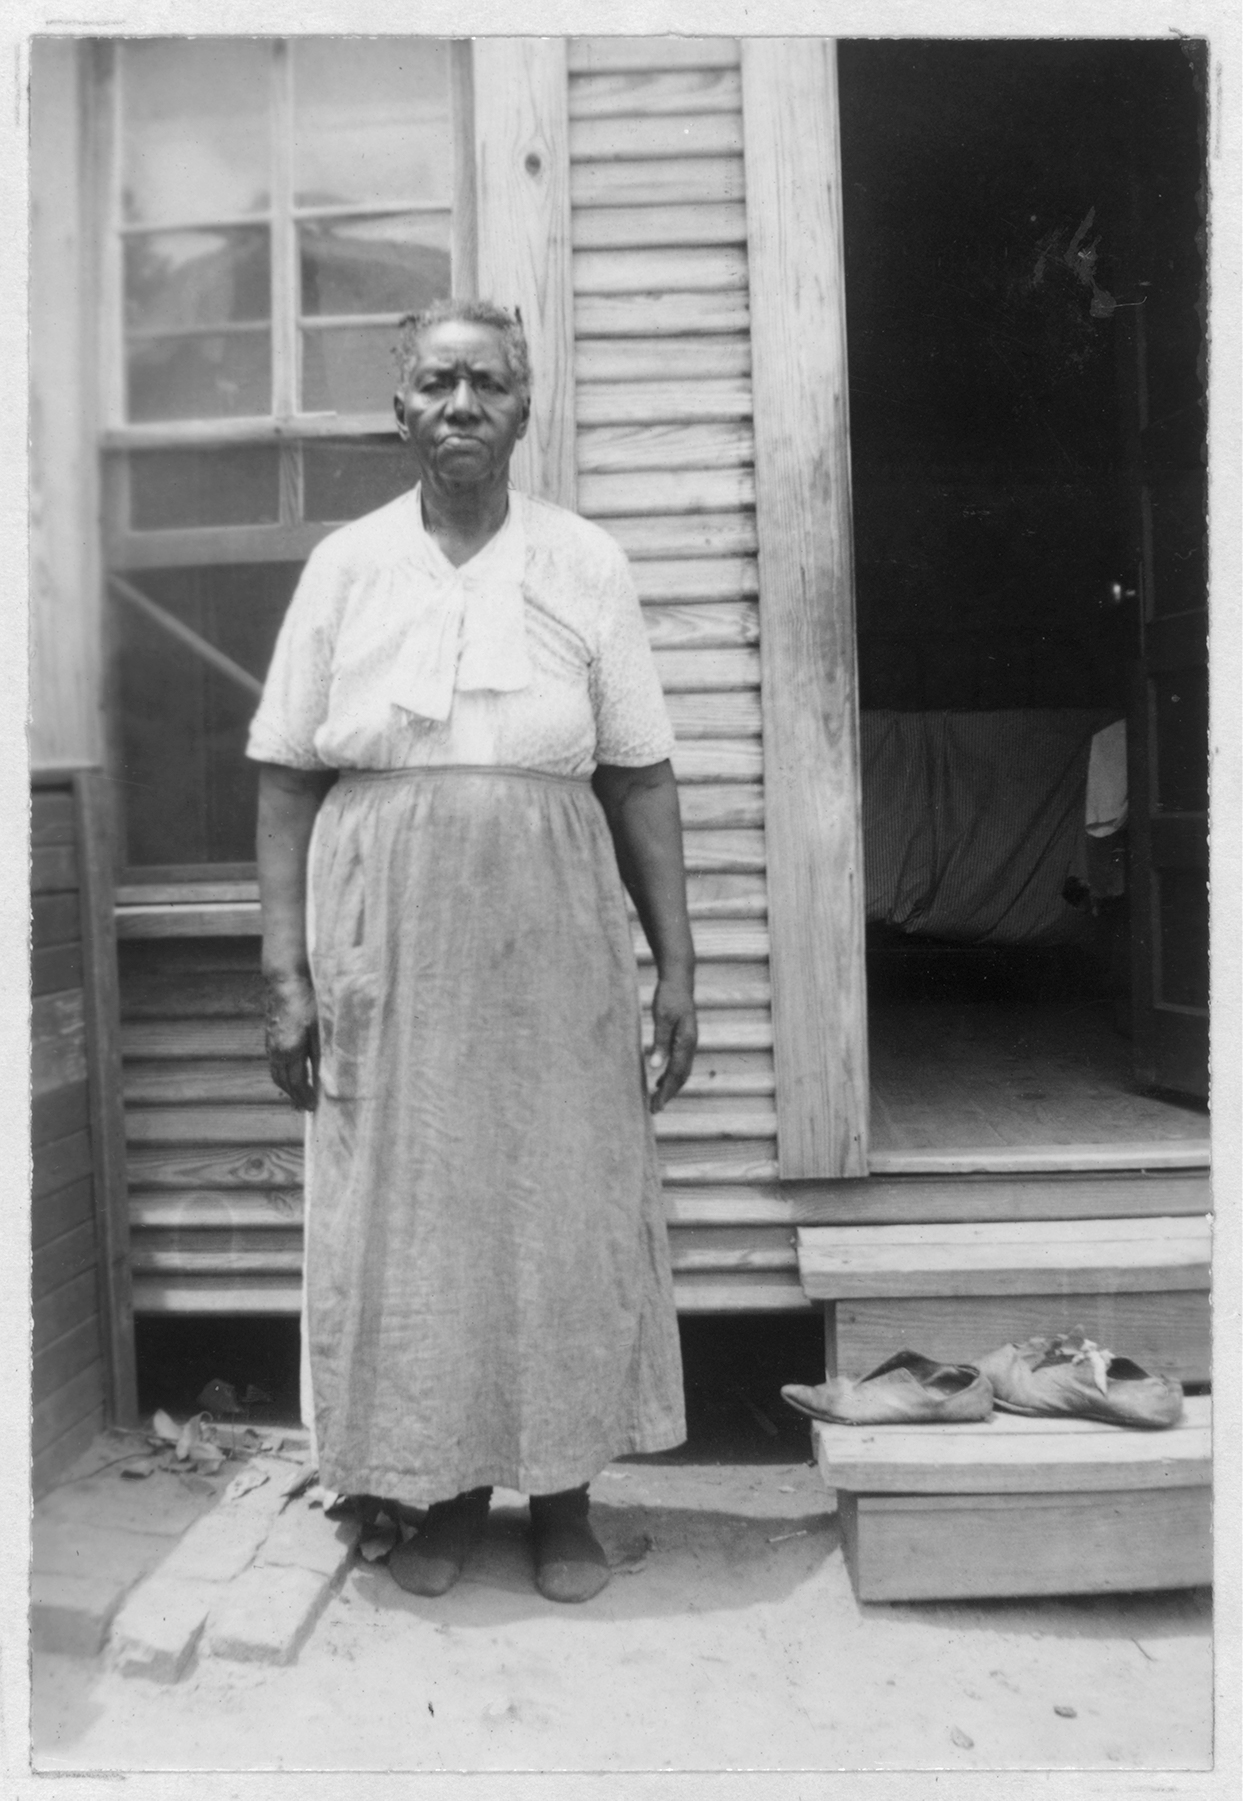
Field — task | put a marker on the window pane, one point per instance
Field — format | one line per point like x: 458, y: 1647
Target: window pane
x: 349, y: 369
x: 179, y: 280
x: 371, y: 121
x: 189, y: 791
x: 195, y: 141
x: 343, y: 481
x: 212, y: 376
x: 387, y: 265
x: 170, y: 489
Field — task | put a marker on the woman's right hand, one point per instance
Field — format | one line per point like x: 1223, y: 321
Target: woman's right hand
x: 291, y: 1033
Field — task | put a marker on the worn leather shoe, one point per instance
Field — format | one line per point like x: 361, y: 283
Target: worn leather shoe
x: 906, y: 1390
x: 1069, y: 1374
x: 431, y: 1562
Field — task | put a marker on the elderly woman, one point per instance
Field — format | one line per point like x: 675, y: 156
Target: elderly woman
x: 462, y: 741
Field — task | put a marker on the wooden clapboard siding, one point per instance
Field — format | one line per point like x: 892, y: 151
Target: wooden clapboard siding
x: 665, y: 453
x: 82, y: 1371
x: 807, y: 638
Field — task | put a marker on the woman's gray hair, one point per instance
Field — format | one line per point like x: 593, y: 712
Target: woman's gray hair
x: 453, y: 311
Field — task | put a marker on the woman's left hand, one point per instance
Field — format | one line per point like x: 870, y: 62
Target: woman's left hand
x: 676, y: 1035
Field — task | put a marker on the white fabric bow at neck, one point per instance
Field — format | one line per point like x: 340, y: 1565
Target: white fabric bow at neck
x: 468, y: 629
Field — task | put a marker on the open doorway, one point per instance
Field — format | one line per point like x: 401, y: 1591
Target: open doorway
x: 1025, y: 282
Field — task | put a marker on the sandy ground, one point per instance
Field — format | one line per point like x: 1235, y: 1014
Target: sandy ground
x: 729, y: 1639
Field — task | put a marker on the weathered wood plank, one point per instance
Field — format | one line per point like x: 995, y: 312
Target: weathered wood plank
x: 619, y: 449
x: 698, y: 580
x: 63, y: 1308
x: 679, y: 491
x: 62, y: 1259
x: 649, y: 403
x: 1050, y: 1257
x: 65, y: 1358
x: 673, y: 91
x: 57, y: 1041
x: 55, y: 919
x: 54, y: 1214
x: 1009, y: 1454
x: 739, y: 850
x: 276, y: 1295
x: 802, y: 476
x: 611, y: 55
x: 691, y: 535
x: 710, y: 625
x: 737, y: 760
x: 691, y: 269
x: 742, y: 1291
x: 676, y: 181
x: 634, y: 227
x: 58, y: 1113
x: 55, y: 969
x: 80, y: 1397
x: 715, y: 715
x: 241, y: 1126
x: 59, y: 1162
x: 1189, y: 1153
x: 207, y: 1166
x: 658, y: 315
x: 722, y: 807
x: 152, y: 994
x: 957, y: 1547
x: 524, y: 250
x: 701, y: 671
x: 644, y: 138
x: 51, y: 818
x: 53, y: 869
x: 692, y: 1248
x: 721, y: 358
x: 1170, y: 1331
x: 233, y: 1210
x: 752, y: 1161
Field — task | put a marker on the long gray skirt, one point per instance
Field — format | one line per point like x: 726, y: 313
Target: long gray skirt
x: 488, y: 1288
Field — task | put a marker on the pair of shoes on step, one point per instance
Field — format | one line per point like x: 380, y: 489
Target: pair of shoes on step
x: 1063, y: 1375
x: 570, y: 1564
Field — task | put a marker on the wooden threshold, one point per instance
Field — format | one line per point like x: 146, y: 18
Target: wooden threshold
x: 1043, y: 1159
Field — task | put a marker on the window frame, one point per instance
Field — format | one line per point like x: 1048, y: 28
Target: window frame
x: 127, y: 552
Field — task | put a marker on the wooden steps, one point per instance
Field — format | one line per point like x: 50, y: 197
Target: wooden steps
x: 1015, y: 1506
x: 953, y: 1291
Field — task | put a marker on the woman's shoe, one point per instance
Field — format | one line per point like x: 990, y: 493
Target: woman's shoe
x: 907, y: 1390
x: 431, y: 1562
x: 570, y: 1564
x: 1069, y: 1374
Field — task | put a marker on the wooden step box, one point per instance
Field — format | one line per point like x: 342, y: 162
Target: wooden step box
x: 1012, y: 1507
x: 1139, y: 1287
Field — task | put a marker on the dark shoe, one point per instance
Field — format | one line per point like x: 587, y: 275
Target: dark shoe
x: 1068, y: 1374
x: 570, y: 1564
x: 908, y: 1389
x: 431, y: 1562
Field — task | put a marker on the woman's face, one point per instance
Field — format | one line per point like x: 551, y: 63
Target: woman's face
x: 459, y: 407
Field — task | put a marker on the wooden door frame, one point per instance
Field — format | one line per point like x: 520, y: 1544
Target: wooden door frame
x: 808, y: 653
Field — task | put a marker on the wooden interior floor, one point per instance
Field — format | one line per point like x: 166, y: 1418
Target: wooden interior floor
x: 982, y: 1074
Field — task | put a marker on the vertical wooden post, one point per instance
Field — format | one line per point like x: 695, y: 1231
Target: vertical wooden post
x: 807, y: 628
x: 65, y: 596
x: 101, y: 998
x: 522, y: 162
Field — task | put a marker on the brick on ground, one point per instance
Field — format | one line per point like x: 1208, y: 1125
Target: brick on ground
x: 217, y: 1547
x: 71, y: 1614
x: 266, y: 1614
x: 304, y: 1538
x: 157, y: 1631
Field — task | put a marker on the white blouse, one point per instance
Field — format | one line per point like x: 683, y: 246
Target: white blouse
x: 531, y: 655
